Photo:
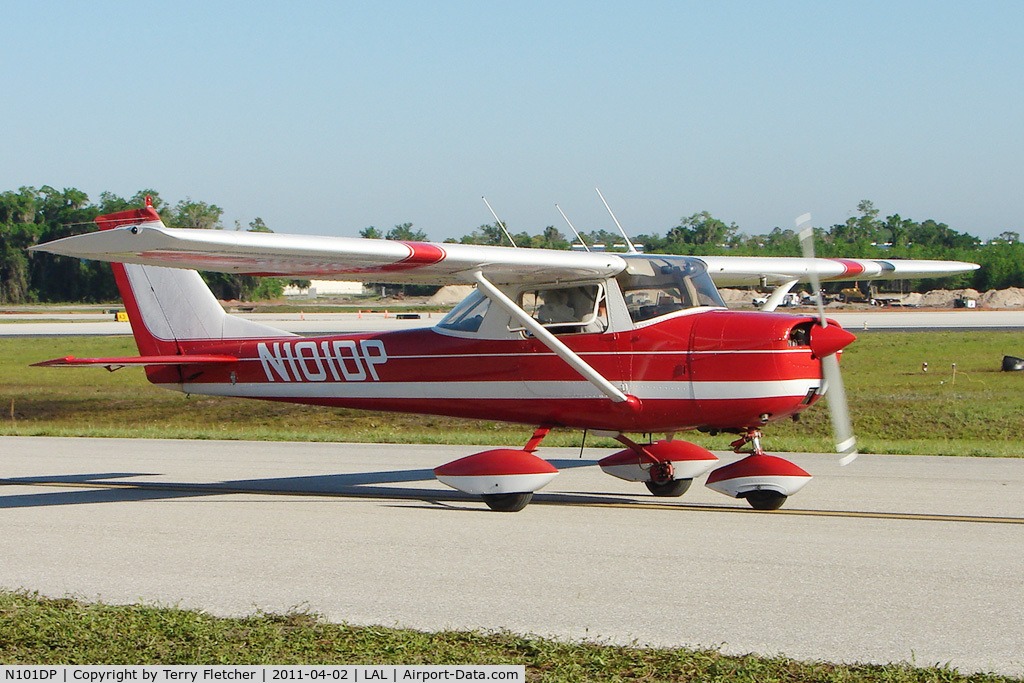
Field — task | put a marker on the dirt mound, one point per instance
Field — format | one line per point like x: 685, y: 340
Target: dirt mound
x: 1012, y: 297
x: 1003, y: 298
x: 450, y: 295
x: 945, y: 298
x: 737, y: 296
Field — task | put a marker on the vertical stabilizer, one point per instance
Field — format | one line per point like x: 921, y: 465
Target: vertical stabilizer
x: 172, y: 310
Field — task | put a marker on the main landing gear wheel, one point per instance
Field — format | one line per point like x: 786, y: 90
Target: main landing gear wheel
x: 765, y: 499
x: 507, y: 502
x: 670, y: 489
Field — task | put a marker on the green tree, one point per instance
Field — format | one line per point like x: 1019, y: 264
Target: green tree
x: 551, y: 238
x: 18, y: 231
x: 405, y: 233
x: 1002, y: 265
x: 862, y: 229
x: 371, y: 233
x: 704, y: 229
x: 604, y: 237
x: 933, y: 234
x: 112, y: 203
x: 488, y: 235
x: 781, y: 242
x: 15, y: 282
x: 192, y: 214
x: 257, y: 225
x: 898, y: 229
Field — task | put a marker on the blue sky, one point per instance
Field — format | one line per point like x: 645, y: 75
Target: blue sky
x: 327, y: 117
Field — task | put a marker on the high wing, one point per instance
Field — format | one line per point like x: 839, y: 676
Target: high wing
x: 330, y: 258
x: 751, y: 270
x: 140, y: 237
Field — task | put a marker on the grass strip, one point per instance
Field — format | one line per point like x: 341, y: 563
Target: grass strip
x: 37, y: 630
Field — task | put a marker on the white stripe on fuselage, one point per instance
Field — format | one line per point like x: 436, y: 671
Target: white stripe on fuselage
x: 501, y: 390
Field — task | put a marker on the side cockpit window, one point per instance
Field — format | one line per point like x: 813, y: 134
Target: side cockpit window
x: 567, y: 309
x: 653, y: 287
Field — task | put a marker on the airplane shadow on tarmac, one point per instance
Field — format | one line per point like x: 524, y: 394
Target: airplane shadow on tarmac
x: 119, y: 487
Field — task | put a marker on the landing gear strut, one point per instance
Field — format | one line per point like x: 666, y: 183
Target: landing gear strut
x: 753, y: 436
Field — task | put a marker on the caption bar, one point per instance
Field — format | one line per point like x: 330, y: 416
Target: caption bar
x: 260, y: 674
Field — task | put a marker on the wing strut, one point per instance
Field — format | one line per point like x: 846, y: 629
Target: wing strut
x: 551, y: 341
x: 777, y: 295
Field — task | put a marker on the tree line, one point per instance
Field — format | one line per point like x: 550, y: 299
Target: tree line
x: 32, y: 216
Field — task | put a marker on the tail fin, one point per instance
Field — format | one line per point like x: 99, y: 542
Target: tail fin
x: 172, y: 310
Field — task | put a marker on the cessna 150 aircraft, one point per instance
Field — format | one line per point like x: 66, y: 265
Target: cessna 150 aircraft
x: 616, y: 343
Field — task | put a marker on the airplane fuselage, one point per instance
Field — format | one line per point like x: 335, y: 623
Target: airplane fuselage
x: 712, y: 369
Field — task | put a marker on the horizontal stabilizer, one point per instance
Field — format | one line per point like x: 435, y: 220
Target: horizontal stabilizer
x: 115, y: 363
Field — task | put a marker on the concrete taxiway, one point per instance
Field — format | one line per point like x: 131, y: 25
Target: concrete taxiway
x: 890, y: 559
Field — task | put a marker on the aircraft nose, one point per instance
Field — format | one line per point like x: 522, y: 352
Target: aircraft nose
x: 828, y: 340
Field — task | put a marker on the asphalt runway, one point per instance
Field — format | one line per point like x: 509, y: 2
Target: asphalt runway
x: 65, y: 324
x: 890, y: 559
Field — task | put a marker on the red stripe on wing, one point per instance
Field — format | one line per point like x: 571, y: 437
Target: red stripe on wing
x: 849, y: 268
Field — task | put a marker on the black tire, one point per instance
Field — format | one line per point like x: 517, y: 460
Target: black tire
x: 765, y: 499
x: 670, y: 489
x: 507, y: 502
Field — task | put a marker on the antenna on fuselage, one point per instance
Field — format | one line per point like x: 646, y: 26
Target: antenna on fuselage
x: 574, y: 230
x: 629, y: 245
x: 500, y: 224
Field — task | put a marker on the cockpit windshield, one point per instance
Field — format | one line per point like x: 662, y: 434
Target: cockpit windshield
x: 467, y: 316
x: 654, y: 286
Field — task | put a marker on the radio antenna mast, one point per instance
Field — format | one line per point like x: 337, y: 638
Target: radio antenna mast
x: 500, y: 224
x: 574, y: 230
x: 629, y: 245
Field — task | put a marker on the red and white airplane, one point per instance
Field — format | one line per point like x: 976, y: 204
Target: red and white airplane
x: 614, y: 343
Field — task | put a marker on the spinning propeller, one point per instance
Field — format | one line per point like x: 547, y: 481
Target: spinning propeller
x: 825, y: 343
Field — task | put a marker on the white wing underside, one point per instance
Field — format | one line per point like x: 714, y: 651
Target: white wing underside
x: 350, y: 258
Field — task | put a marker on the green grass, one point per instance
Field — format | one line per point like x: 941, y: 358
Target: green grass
x: 35, y: 630
x: 896, y: 407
